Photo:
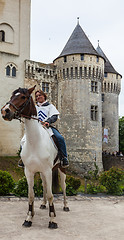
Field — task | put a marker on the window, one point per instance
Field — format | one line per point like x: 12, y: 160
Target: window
x: 105, y: 74
x: 11, y: 70
x: 8, y: 71
x: 103, y: 97
x: 94, y: 112
x: 65, y: 59
x: 97, y: 59
x: 2, y: 36
x: 82, y: 57
x: 45, y: 87
x: 103, y: 122
x: 94, y: 86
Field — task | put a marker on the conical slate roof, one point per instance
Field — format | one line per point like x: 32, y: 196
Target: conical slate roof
x: 78, y: 43
x: 108, y: 66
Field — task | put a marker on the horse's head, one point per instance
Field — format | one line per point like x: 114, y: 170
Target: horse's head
x: 21, y: 103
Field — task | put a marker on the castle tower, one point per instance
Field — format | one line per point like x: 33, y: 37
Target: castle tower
x: 110, y: 91
x: 14, y: 49
x: 80, y: 72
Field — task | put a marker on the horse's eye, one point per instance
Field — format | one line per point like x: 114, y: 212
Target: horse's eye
x: 23, y: 97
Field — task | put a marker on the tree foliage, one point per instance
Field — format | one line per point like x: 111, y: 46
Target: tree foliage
x: 121, y: 135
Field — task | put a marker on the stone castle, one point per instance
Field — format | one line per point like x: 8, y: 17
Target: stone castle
x: 81, y: 82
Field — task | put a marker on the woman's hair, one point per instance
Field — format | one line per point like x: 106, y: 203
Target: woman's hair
x: 42, y: 93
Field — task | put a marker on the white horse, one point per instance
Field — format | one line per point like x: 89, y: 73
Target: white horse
x: 38, y: 152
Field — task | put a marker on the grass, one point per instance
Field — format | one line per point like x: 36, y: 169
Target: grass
x: 10, y: 164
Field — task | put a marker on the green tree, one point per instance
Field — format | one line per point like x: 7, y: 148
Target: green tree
x: 121, y: 135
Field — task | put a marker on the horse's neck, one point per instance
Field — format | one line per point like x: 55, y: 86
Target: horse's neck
x: 33, y: 133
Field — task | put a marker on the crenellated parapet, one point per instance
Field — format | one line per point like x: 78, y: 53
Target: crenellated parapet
x: 80, y: 66
x: 111, y: 83
x: 40, y: 74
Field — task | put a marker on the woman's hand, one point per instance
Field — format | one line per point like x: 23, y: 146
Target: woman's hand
x: 46, y: 124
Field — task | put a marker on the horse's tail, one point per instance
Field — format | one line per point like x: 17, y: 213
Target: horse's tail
x: 55, y: 181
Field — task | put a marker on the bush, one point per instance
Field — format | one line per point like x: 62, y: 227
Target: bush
x: 21, y: 188
x: 94, y: 189
x: 112, y: 179
x: 72, y: 185
x: 6, y: 183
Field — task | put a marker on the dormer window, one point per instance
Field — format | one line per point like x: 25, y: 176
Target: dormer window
x: 2, y: 36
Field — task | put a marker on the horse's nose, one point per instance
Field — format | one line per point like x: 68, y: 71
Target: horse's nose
x: 5, y: 112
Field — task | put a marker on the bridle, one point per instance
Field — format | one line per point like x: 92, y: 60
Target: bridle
x: 21, y: 108
x: 18, y: 113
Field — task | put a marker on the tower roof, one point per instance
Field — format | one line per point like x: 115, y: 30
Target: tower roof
x: 108, y: 66
x: 78, y: 43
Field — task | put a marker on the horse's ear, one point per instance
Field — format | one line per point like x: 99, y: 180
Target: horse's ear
x: 30, y: 90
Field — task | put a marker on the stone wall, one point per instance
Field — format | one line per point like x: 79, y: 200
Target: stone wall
x: 112, y: 161
x: 79, y: 88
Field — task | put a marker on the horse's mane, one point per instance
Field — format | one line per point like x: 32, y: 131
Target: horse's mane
x: 21, y: 90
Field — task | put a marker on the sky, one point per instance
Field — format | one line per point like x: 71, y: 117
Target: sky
x: 53, y: 21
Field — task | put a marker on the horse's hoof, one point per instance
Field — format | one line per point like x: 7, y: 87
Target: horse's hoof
x: 66, y: 209
x: 43, y: 206
x: 27, y: 223
x: 52, y: 225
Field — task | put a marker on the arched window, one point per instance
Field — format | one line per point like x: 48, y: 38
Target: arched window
x: 8, y: 70
x: 11, y: 70
x: 2, y: 36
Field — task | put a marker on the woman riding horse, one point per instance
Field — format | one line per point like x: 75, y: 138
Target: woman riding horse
x: 48, y: 114
x: 38, y: 152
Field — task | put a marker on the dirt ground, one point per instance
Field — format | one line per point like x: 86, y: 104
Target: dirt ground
x: 90, y: 218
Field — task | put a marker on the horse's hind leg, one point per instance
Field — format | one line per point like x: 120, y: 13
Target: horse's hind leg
x: 43, y: 205
x: 63, y: 186
x: 30, y: 214
x: 52, y: 213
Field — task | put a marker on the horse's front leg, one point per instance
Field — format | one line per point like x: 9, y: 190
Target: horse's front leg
x: 52, y: 213
x: 30, y: 214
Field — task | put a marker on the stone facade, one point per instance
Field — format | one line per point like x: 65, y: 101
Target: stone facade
x: 79, y: 88
x: 75, y: 82
x: 110, y: 91
x: 14, y: 49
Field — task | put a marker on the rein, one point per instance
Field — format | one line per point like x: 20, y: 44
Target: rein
x: 24, y: 116
x: 21, y: 108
